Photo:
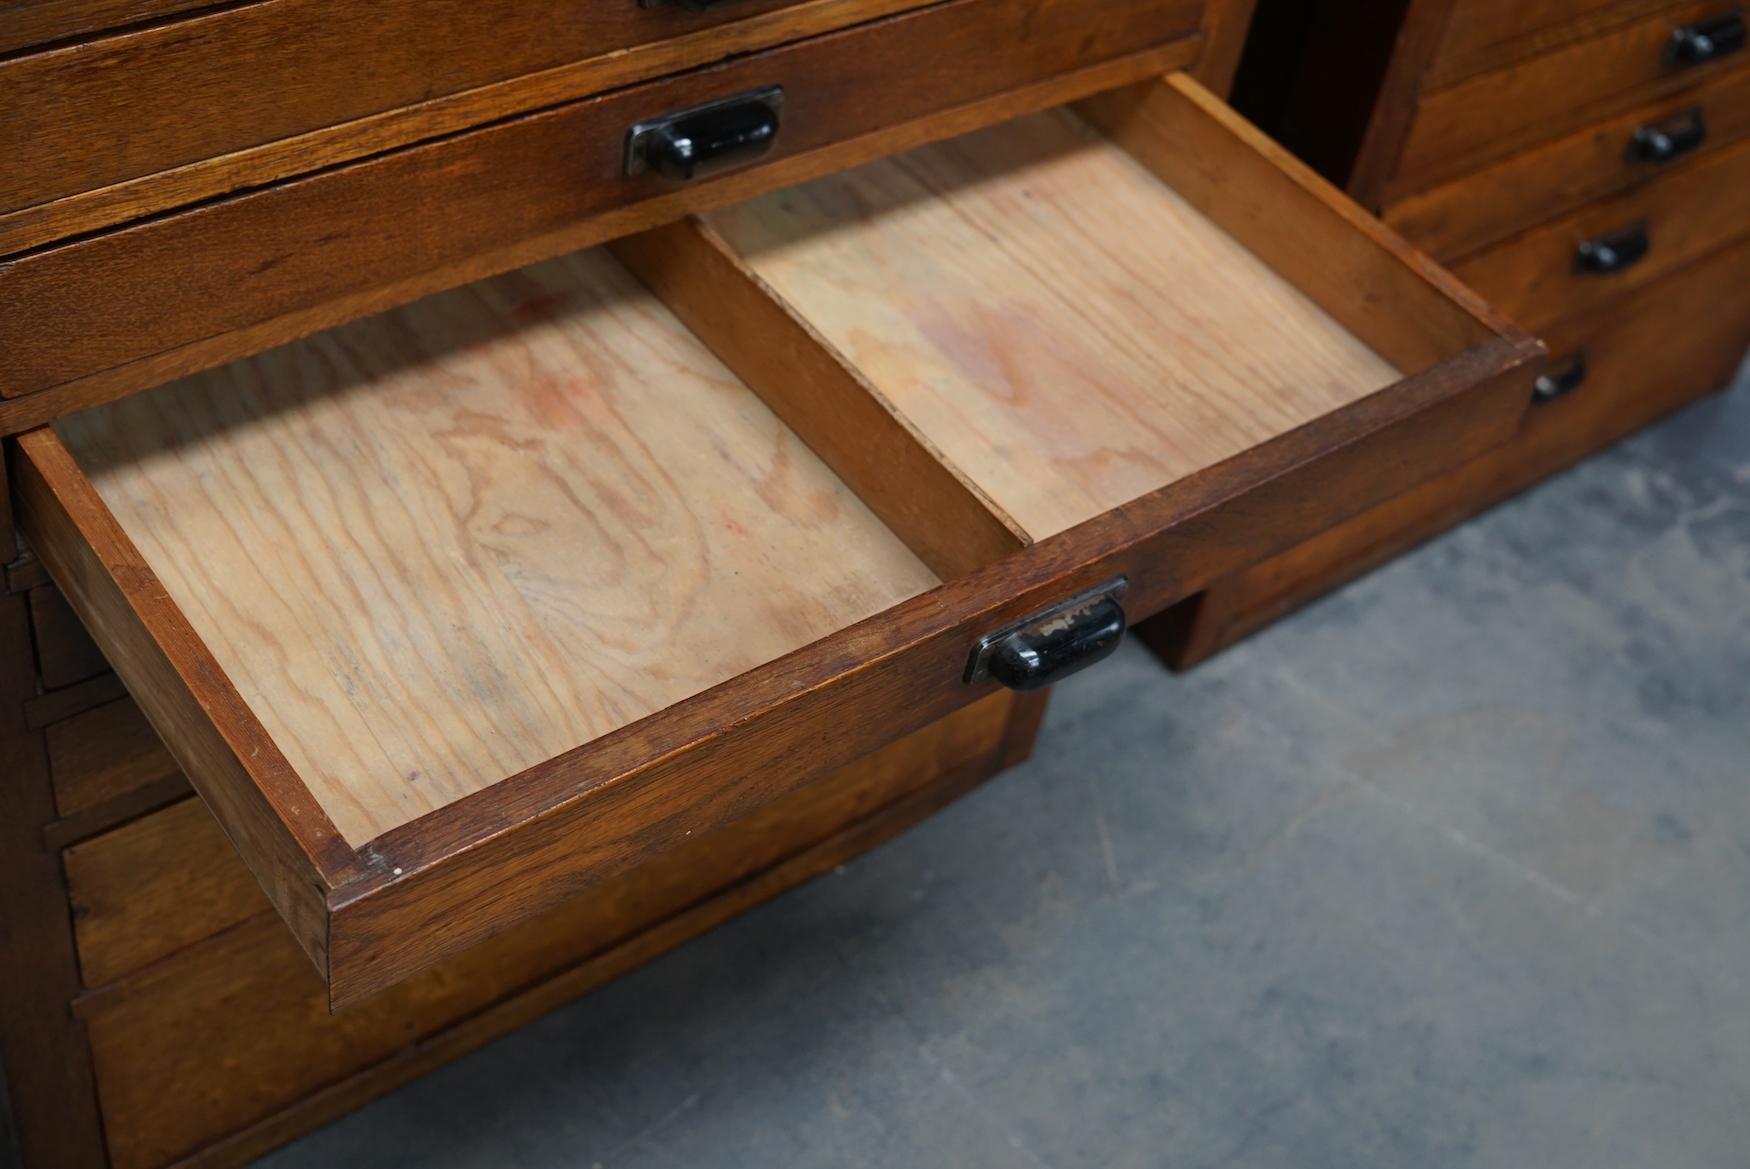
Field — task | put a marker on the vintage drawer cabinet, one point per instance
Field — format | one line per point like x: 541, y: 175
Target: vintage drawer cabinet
x: 1583, y: 164
x: 546, y: 485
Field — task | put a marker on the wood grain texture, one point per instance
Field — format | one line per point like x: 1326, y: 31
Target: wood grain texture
x: 84, y: 306
x: 1470, y: 213
x: 278, y: 1063
x: 104, y: 754
x: 893, y: 467
x: 1634, y: 375
x: 101, y: 132
x: 437, y: 548
x: 1696, y: 211
x: 324, y: 310
x: 1063, y: 325
x: 1407, y: 309
x: 65, y: 653
x: 1468, y: 124
x: 1488, y: 34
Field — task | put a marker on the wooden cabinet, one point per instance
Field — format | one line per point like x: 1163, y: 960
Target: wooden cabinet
x: 1581, y: 164
x: 515, y: 611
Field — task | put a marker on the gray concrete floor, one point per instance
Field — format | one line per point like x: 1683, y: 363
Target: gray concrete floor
x: 1451, y: 869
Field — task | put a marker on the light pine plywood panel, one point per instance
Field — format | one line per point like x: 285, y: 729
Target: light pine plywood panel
x: 1062, y: 324
x: 436, y: 547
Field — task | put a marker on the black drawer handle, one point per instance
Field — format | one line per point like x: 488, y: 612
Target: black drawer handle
x: 1562, y: 377
x: 1615, y: 252
x: 706, y: 140
x: 1707, y: 40
x: 1660, y: 142
x: 1050, y: 646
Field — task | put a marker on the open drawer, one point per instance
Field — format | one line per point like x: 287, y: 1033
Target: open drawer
x: 450, y: 613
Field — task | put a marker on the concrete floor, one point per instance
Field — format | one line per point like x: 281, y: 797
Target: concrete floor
x: 1451, y: 869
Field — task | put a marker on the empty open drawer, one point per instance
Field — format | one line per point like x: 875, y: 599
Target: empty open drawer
x: 451, y: 613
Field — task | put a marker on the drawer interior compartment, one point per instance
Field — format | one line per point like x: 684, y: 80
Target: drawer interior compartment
x: 451, y: 614
x: 1078, y: 319
x: 435, y: 549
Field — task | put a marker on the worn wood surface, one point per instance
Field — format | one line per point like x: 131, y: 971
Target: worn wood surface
x: 1696, y: 211
x: 992, y: 289
x: 1656, y: 349
x: 104, y: 754
x: 65, y: 653
x: 101, y: 132
x: 1473, y: 122
x: 561, y: 514
x: 277, y: 1064
x: 1488, y: 34
x: 42, y: 1047
x: 531, y: 186
x: 1457, y: 218
x: 893, y: 466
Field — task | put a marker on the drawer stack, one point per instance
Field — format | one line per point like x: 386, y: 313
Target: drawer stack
x: 159, y: 961
x: 1583, y: 164
x: 490, y: 611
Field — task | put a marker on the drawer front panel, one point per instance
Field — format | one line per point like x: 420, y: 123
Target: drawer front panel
x: 107, y: 753
x: 252, y: 93
x: 1464, y: 216
x: 361, y: 229
x: 1486, y: 34
x: 1463, y: 126
x: 65, y: 653
x: 1541, y: 276
x: 240, y: 1022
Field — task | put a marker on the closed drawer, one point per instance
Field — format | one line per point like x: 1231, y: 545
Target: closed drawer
x: 1481, y: 35
x: 105, y: 754
x: 239, y: 1022
x: 37, y: 22
x: 1466, y: 125
x: 187, y: 290
x: 1620, y: 153
x: 138, y: 121
x: 452, y: 613
x: 1584, y: 259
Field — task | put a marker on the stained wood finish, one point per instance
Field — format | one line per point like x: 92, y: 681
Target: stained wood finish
x: 152, y: 886
x: 103, y: 131
x: 1471, y: 123
x: 1060, y: 379
x: 552, y: 448
x: 353, y: 237
x: 1532, y: 277
x: 1486, y: 34
x: 455, y: 876
x: 253, y: 1077
x: 1631, y: 380
x: 65, y: 653
x: 105, y: 754
x: 1484, y: 208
